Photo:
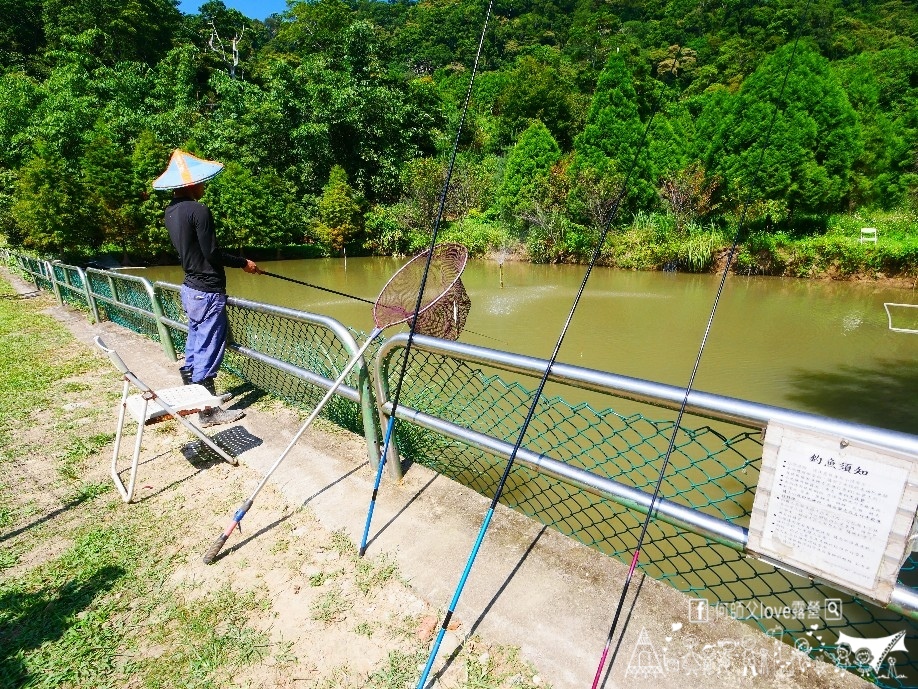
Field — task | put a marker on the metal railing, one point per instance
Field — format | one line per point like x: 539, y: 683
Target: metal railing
x: 588, y: 472
x: 155, y: 311
x: 291, y: 354
x: 587, y: 466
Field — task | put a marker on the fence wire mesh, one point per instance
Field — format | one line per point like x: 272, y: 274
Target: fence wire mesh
x: 126, y: 302
x: 34, y: 270
x: 70, y: 286
x: 713, y: 469
x: 304, y: 345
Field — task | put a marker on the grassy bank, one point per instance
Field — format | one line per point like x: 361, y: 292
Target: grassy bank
x: 96, y: 593
x: 824, y: 247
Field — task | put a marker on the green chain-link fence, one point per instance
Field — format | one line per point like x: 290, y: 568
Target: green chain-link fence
x: 713, y: 469
x: 318, y: 346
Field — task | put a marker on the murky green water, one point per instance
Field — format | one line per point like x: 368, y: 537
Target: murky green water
x: 822, y: 347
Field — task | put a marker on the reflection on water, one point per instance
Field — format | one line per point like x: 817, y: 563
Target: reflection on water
x: 821, y: 347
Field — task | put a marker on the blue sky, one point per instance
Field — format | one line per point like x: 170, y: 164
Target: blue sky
x: 254, y: 9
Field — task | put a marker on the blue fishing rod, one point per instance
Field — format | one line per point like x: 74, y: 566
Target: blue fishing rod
x: 390, y: 427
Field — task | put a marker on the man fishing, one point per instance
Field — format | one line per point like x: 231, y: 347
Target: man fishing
x: 191, y: 229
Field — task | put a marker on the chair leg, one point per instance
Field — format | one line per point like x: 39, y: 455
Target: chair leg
x: 127, y: 492
x: 118, y: 433
x: 206, y: 440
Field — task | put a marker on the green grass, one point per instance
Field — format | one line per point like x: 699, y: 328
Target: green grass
x: 207, y: 638
x: 63, y: 619
x: 810, y: 247
x: 31, y: 359
x: 92, y: 592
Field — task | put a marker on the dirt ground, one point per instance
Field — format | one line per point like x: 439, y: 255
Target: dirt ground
x: 535, y: 611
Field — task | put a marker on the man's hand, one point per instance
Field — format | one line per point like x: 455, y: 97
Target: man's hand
x: 251, y: 267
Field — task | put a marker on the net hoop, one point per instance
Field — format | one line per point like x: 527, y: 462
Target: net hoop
x: 398, y: 298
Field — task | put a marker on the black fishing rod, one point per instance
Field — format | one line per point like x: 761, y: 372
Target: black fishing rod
x: 691, y: 382
x: 309, y: 284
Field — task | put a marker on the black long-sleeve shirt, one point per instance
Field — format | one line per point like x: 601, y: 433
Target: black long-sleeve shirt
x: 191, y: 229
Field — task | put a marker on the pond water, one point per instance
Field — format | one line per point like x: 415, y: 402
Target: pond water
x: 815, y: 346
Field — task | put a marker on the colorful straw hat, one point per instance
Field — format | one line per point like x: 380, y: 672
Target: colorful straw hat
x: 185, y: 170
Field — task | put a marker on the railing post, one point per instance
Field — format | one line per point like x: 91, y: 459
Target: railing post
x: 382, y: 396
x: 52, y: 276
x: 90, y: 300
x: 165, y: 338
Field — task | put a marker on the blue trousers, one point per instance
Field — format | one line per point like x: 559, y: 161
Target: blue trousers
x: 208, y: 328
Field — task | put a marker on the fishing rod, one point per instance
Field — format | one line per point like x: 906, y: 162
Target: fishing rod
x: 309, y: 284
x: 351, y: 296
x: 688, y: 389
x: 537, y: 395
x: 440, y: 211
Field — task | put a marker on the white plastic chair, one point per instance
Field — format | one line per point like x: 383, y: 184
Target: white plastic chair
x: 151, y: 406
x: 868, y: 234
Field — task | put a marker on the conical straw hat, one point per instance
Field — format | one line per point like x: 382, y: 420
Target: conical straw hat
x: 185, y: 169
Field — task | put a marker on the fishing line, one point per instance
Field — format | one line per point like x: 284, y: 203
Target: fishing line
x: 613, y: 213
x: 433, y: 240
x: 351, y: 296
x: 704, y: 339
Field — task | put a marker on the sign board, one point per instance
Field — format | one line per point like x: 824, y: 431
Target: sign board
x: 841, y: 511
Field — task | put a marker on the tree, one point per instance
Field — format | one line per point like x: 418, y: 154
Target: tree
x: 537, y: 90
x: 316, y: 27
x: 21, y: 96
x: 883, y: 89
x: 689, y: 194
x: 148, y: 159
x: 612, y: 143
x: 22, y: 39
x: 815, y: 140
x: 528, y: 168
x: 49, y: 209
x: 339, y: 217
x: 142, y: 31
x: 252, y: 210
x: 108, y: 178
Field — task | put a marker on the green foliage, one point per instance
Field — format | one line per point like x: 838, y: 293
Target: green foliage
x: 612, y: 140
x: 125, y: 31
x: 479, y: 235
x: 49, y: 209
x: 339, y: 217
x: 378, y: 89
x: 538, y: 87
x: 386, y: 233
x: 528, y: 168
x: 148, y: 159
x: 813, y: 144
x: 252, y: 210
x: 108, y: 177
x: 21, y: 96
x: 697, y: 249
